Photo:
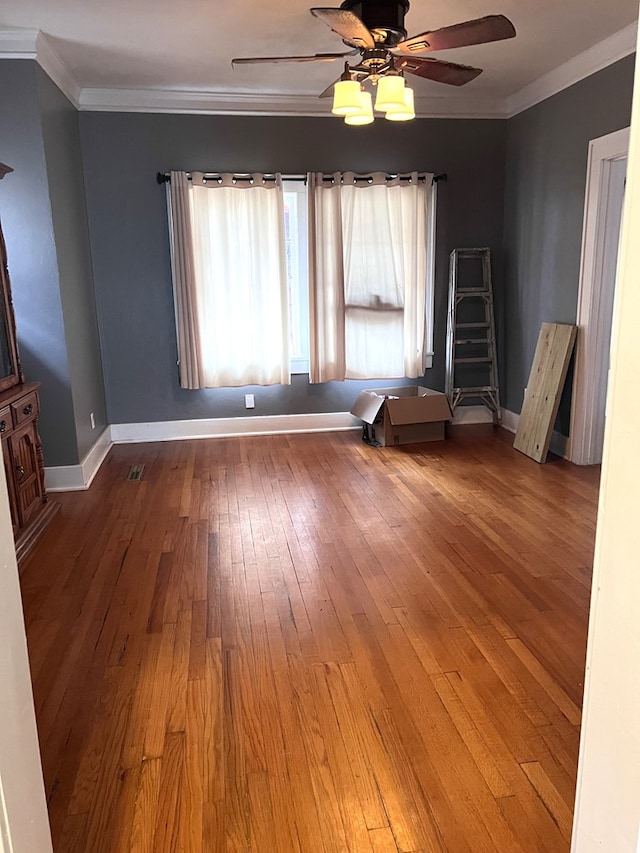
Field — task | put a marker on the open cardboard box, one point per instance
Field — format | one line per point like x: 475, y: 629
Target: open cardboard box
x: 404, y: 415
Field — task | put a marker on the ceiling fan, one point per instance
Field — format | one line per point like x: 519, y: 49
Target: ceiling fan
x: 375, y: 29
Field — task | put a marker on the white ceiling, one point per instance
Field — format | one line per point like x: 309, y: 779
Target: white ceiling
x: 128, y: 52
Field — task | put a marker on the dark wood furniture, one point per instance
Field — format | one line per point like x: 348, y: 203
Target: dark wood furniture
x: 19, y: 409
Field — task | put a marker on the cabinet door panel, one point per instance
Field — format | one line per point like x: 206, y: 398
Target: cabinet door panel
x: 25, y: 457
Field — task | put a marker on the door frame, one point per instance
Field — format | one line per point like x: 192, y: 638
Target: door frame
x: 603, y: 152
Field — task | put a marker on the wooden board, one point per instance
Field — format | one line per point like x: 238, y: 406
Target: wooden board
x: 546, y: 380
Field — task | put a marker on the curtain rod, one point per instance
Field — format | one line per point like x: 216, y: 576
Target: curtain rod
x: 164, y: 177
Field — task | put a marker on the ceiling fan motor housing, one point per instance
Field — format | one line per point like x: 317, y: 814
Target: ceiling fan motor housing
x: 384, y: 18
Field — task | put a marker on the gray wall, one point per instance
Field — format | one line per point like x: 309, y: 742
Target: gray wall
x: 45, y: 225
x: 66, y: 189
x: 546, y: 169
x: 27, y: 224
x: 129, y: 239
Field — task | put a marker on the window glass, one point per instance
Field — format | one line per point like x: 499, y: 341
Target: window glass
x: 295, y: 214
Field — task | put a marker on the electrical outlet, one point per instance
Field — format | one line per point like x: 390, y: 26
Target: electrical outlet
x: 249, y: 401
x: 93, y: 420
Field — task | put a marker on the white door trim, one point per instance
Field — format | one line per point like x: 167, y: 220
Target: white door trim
x: 589, y: 351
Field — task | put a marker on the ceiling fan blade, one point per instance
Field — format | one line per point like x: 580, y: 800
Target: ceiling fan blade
x: 318, y: 57
x: 347, y: 25
x: 479, y: 31
x: 437, y: 69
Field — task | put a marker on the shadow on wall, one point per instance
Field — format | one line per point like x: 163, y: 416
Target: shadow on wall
x: 56, y: 422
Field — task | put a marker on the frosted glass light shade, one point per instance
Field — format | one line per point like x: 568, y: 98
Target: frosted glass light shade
x: 346, y: 97
x: 390, y: 93
x: 406, y: 112
x: 365, y: 113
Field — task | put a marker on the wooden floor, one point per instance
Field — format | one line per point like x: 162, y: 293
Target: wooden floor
x: 297, y: 644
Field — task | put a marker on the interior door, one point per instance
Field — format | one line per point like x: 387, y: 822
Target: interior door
x: 604, y: 199
x: 612, y: 228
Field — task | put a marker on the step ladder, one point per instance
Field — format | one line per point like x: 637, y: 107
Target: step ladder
x: 471, y: 368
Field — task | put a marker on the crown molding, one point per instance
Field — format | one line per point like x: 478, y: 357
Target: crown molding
x: 55, y: 67
x: 199, y: 102
x: 221, y: 103
x: 610, y: 50
x: 18, y: 43
x: 32, y: 44
x: 459, y: 105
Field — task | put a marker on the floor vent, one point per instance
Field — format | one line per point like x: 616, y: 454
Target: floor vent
x: 135, y: 472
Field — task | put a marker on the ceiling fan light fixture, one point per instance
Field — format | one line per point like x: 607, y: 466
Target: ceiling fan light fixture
x: 375, y: 29
x: 390, y: 94
x: 407, y: 112
x: 365, y: 113
x: 346, y: 98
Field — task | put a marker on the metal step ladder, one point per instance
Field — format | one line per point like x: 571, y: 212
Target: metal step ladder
x: 471, y: 368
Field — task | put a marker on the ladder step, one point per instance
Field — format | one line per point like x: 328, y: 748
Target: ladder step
x: 472, y: 291
x: 471, y: 253
x: 473, y: 360
x: 472, y: 325
x: 479, y: 390
x: 472, y: 341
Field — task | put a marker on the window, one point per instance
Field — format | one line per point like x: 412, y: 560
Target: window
x: 296, y: 230
x: 230, y: 280
x: 372, y: 285
x: 273, y: 277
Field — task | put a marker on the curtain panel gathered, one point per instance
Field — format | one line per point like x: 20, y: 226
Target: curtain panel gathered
x: 230, y: 280
x: 371, y: 262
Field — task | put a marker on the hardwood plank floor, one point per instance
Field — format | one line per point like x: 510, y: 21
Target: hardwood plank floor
x: 298, y: 644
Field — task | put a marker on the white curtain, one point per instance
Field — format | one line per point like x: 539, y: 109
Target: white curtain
x: 230, y: 280
x: 372, y: 241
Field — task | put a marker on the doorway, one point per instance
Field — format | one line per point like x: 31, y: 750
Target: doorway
x: 606, y: 177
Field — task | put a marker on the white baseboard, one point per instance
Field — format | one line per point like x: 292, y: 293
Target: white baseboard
x: 472, y: 415
x: 229, y: 427
x: 77, y: 477
x: 263, y: 425
x: 70, y: 478
x: 509, y: 420
x: 559, y: 443
x: 67, y: 478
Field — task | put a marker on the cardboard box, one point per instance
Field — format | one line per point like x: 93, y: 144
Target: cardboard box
x: 407, y: 415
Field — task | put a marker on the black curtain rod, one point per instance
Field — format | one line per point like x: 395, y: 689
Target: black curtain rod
x: 164, y: 177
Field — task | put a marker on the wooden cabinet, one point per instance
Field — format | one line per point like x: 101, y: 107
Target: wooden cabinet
x: 21, y: 448
x: 22, y: 456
